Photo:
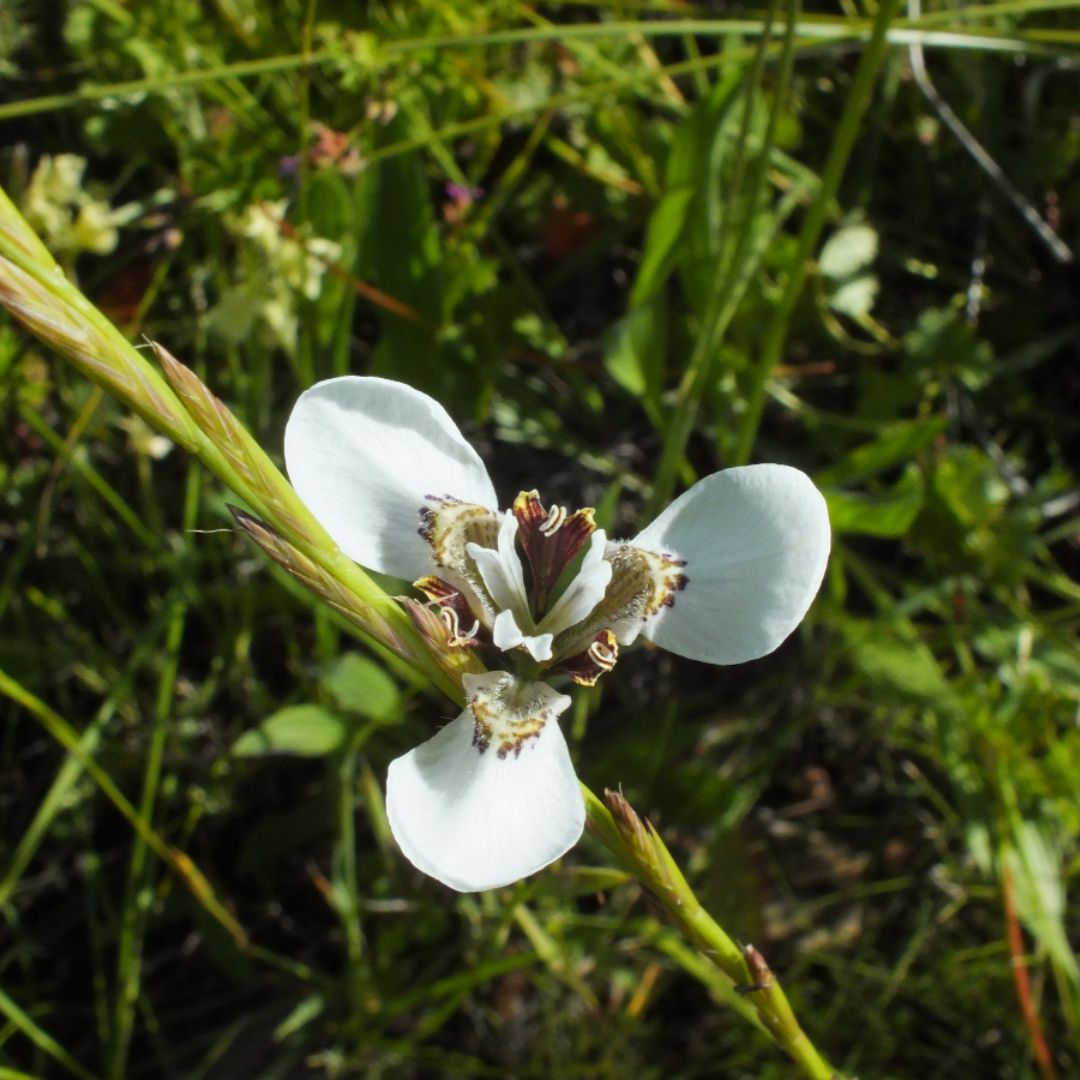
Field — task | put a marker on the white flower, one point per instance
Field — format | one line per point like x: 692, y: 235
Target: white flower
x: 723, y: 575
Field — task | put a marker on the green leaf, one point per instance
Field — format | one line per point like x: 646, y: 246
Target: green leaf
x: 895, y: 444
x: 890, y: 512
x: 637, y: 349
x: 661, y: 239
x: 307, y: 730
x: 399, y: 252
x: 892, y: 662
x: 1040, y: 894
x: 945, y: 345
x: 691, y: 179
x: 359, y: 685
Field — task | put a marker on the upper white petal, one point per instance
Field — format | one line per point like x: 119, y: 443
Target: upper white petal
x: 585, y: 591
x: 476, y: 821
x: 363, y: 453
x: 500, y: 568
x: 755, y: 540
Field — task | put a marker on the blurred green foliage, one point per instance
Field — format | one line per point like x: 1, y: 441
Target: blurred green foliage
x: 575, y: 240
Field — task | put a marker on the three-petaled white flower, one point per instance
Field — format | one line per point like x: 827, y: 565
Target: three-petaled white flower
x: 723, y: 575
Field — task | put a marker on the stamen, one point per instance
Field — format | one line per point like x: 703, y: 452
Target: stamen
x: 451, y: 607
x: 453, y: 628
x: 554, y: 520
x: 602, y: 655
x: 595, y: 660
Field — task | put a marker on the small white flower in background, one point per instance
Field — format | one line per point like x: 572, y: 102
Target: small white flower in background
x: 723, y: 575
x: 277, y: 265
x: 67, y: 216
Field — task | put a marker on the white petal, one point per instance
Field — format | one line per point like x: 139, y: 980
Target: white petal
x: 501, y: 568
x: 505, y: 631
x: 585, y: 591
x: 474, y: 820
x: 538, y: 646
x: 755, y: 541
x: 363, y: 453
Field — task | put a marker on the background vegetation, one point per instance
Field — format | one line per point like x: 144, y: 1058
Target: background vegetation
x: 625, y: 244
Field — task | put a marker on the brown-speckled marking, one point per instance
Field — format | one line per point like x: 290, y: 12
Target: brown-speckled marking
x: 508, y: 719
x: 448, y: 524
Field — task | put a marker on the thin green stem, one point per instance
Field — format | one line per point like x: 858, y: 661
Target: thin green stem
x: 20, y: 1019
x: 638, y: 846
x: 858, y: 100
x: 346, y: 883
x: 139, y: 892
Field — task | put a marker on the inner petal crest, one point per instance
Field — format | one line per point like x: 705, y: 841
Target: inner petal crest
x: 507, y: 712
x: 550, y: 538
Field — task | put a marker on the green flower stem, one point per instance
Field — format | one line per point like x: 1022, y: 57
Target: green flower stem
x: 634, y: 841
x: 855, y: 106
x: 34, y: 288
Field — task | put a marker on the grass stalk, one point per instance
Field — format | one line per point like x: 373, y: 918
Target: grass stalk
x: 25, y: 1023
x: 814, y: 28
x: 858, y: 101
x: 177, y: 861
x: 139, y: 892
x: 732, y: 280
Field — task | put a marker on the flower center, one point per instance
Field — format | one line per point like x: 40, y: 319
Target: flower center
x: 541, y: 580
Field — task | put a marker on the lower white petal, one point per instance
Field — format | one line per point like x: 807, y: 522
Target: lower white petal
x: 365, y: 454
x: 476, y: 816
x: 538, y: 646
x: 755, y: 541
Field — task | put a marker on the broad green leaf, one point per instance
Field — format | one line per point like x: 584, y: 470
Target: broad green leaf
x: 637, y: 349
x: 944, y: 345
x: 889, y: 512
x: 399, y: 252
x: 661, y: 239
x: 359, y: 685
x: 968, y: 481
x: 906, y: 666
x: 691, y: 176
x: 1040, y: 894
x: 307, y: 730
x: 895, y: 444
